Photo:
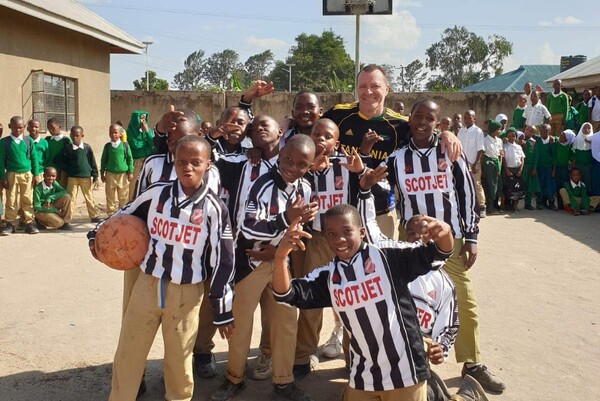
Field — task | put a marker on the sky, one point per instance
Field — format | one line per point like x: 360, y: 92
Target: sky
x: 540, y: 34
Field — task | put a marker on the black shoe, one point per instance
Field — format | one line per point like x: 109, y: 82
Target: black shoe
x: 301, y: 371
x: 539, y: 206
x: 31, y: 229
x: 8, y: 229
x: 291, y: 392
x: 40, y: 226
x: 96, y: 220
x: 205, y: 365
x: 20, y: 226
x: 66, y: 227
x: 142, y: 389
x: 227, y: 390
x: 471, y: 390
x: 489, y: 381
x: 529, y: 207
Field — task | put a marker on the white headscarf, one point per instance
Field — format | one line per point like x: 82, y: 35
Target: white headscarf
x: 596, y: 146
x: 579, y: 143
x: 569, y: 136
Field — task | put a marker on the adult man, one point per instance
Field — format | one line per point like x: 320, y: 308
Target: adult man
x: 558, y: 105
x: 471, y: 138
x: 527, y: 88
x: 375, y: 130
x: 594, y: 105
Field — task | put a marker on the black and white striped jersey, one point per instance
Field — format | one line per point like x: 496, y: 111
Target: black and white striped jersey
x: 265, y: 218
x: 230, y: 168
x: 248, y: 175
x: 429, y: 184
x: 435, y: 298
x: 190, y: 240
x: 370, y: 294
x: 159, y: 168
x: 156, y: 168
x: 333, y: 186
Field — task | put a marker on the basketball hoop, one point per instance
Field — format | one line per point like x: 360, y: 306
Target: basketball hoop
x: 358, y: 7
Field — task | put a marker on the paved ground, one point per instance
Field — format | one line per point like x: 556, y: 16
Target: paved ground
x: 537, y: 280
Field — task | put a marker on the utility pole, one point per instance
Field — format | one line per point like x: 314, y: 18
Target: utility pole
x: 290, y: 72
x: 147, y: 43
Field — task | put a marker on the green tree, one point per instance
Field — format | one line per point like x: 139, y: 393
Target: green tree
x: 462, y: 58
x: 221, y: 66
x: 412, y: 76
x: 258, y: 65
x: 315, y: 59
x: 155, y: 84
x: 193, y: 72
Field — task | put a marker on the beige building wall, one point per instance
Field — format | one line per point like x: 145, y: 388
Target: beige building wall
x: 279, y: 104
x: 28, y: 44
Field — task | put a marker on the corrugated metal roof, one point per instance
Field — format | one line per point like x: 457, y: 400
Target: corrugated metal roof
x: 513, y: 81
x: 71, y: 15
x: 584, y: 75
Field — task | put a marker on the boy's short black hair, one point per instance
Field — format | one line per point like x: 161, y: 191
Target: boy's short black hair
x: 49, y: 169
x: 14, y: 119
x: 301, y: 141
x: 77, y: 127
x: 228, y: 110
x: 425, y: 102
x: 345, y: 210
x: 305, y: 92
x: 193, y: 139
x: 327, y: 121
x: 193, y: 119
x: 574, y: 169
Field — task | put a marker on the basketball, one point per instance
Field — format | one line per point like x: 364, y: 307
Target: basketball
x: 122, y: 242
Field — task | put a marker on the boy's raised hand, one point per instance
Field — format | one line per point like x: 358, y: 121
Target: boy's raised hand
x: 169, y: 120
x: 369, y: 139
x: 306, y: 212
x: 355, y: 164
x: 254, y: 156
x: 292, y: 240
x: 226, y: 330
x: 452, y: 145
x: 321, y: 162
x: 259, y: 88
x: 435, y: 352
x: 373, y: 176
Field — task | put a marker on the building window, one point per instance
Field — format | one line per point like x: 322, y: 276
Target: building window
x: 54, y: 96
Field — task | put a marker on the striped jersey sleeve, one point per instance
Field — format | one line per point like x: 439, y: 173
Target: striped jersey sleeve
x: 156, y: 168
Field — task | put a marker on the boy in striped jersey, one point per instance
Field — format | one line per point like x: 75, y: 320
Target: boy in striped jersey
x: 367, y: 285
x: 335, y: 180
x: 274, y: 201
x: 238, y: 175
x: 190, y: 242
x: 229, y: 134
x: 429, y: 184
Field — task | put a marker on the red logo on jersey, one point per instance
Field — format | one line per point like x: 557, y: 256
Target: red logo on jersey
x: 339, y: 182
x: 159, y: 208
x: 273, y: 209
x: 408, y: 169
x: 196, y: 217
x: 369, y: 266
x: 432, y: 294
x: 442, y: 165
x: 253, y: 176
x: 335, y: 278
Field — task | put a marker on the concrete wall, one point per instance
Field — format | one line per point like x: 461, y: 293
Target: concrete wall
x: 31, y: 44
x: 279, y: 104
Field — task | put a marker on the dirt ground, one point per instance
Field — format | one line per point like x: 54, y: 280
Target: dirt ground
x: 537, y: 280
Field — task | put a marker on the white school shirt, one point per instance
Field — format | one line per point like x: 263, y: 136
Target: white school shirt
x: 471, y: 140
x: 594, y: 105
x: 513, y: 154
x: 535, y: 115
x: 493, y: 147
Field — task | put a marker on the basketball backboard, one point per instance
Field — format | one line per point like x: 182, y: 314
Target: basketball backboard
x: 342, y: 7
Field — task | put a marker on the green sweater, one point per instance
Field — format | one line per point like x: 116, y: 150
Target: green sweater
x: 558, y: 104
x: 42, y: 196
x: 563, y: 155
x: 78, y: 163
x: 546, y: 152
x: 18, y: 159
x: 141, y: 142
x: 531, y: 150
x: 116, y: 160
x: 577, y: 192
x: 518, y: 121
x: 41, y: 149
x: 55, y: 148
x: 583, y: 113
x: 583, y: 157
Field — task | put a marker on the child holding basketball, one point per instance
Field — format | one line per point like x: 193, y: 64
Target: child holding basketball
x: 169, y: 289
